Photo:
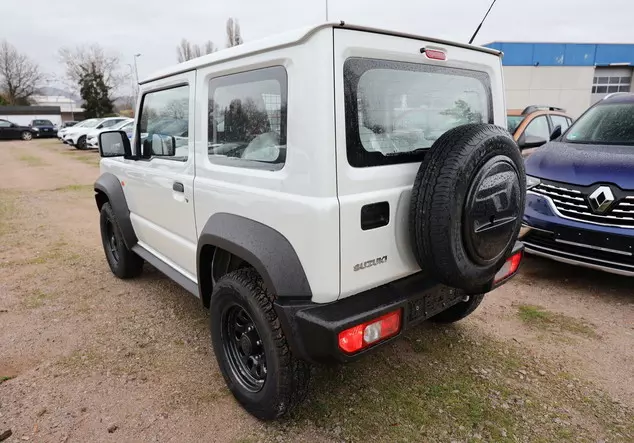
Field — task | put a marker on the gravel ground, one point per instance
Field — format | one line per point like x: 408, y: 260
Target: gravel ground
x: 87, y: 357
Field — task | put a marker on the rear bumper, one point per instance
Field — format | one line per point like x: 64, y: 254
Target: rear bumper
x: 313, y: 329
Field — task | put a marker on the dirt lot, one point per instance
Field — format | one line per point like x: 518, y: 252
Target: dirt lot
x: 87, y: 357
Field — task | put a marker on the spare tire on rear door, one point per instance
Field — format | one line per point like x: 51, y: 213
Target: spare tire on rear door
x: 467, y: 205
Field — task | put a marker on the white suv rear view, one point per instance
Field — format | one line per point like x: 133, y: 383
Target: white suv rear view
x: 320, y: 192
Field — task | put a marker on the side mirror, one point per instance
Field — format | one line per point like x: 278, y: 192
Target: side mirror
x: 556, y: 132
x: 161, y: 145
x: 530, y: 141
x: 30, y: 125
x: 13, y: 125
x: 114, y: 144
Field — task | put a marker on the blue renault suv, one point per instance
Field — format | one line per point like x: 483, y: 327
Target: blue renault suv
x: 580, y: 198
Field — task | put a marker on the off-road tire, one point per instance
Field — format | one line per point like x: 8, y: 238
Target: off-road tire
x: 123, y: 262
x: 287, y: 378
x: 81, y: 143
x: 443, y: 186
x: 26, y: 135
x: 459, y: 311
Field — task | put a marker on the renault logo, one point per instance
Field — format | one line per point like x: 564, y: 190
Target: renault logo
x: 601, y: 199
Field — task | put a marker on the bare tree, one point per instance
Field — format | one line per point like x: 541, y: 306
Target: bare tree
x: 187, y: 50
x: 209, y: 47
x: 234, y: 37
x: 19, y: 76
x: 79, y: 59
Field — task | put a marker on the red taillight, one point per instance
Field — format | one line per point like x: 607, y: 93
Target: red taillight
x: 435, y: 54
x: 361, y: 336
x: 509, y: 268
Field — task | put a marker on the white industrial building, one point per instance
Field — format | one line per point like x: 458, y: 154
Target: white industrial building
x: 572, y: 76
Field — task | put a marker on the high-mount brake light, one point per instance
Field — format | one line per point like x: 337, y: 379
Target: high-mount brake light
x: 434, y: 54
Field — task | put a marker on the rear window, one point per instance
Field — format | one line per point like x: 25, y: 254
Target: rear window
x: 42, y: 123
x: 395, y: 111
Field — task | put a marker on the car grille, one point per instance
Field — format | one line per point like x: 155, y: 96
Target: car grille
x: 612, y: 252
x: 572, y: 202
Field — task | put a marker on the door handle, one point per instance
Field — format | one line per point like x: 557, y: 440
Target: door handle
x: 178, y: 187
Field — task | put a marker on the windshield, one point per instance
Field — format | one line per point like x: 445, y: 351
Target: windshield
x: 42, y: 123
x: 396, y: 110
x: 513, y: 121
x: 610, y: 124
x: 120, y: 125
x: 90, y: 123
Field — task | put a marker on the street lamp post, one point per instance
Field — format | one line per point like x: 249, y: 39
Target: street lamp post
x: 136, y: 69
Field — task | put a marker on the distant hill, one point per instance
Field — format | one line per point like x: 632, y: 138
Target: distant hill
x: 49, y: 90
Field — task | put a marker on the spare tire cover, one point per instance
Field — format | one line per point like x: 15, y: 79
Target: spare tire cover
x: 467, y: 205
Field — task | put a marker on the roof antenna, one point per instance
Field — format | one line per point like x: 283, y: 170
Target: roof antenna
x: 481, y: 23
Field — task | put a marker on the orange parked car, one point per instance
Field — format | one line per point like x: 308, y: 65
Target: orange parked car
x: 533, y: 126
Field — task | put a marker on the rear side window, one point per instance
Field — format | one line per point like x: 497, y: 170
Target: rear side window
x: 395, y: 111
x: 164, y: 120
x: 247, y: 119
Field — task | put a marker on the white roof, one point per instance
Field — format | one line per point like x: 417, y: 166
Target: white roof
x: 289, y: 39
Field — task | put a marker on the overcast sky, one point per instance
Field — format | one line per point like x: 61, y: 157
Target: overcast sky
x: 154, y: 27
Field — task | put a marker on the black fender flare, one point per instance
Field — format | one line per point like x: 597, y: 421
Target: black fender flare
x: 264, y: 248
x: 109, y: 185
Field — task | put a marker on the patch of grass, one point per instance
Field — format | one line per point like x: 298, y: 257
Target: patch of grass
x: 36, y: 299
x: 89, y: 158
x: 7, y: 211
x: 74, y: 187
x: 4, y: 378
x: 56, y: 253
x: 78, y: 359
x: 455, y: 388
x: 32, y: 160
x: 539, y: 317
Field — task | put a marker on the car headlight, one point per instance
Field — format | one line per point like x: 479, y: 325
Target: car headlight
x: 35, y: 129
x: 531, y: 182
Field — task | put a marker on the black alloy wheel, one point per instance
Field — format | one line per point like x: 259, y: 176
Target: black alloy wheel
x: 243, y: 348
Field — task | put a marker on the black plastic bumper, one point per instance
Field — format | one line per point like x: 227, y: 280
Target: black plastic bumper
x: 312, y: 329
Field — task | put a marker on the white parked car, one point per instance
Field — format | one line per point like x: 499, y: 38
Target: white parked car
x: 317, y: 223
x: 92, y: 138
x: 77, y: 135
x: 63, y: 131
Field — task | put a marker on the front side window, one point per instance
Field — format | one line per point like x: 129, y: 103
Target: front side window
x: 164, y: 124
x: 5, y: 124
x: 538, y: 127
x: 395, y: 111
x: 610, y: 124
x: 247, y: 119
x: 559, y: 120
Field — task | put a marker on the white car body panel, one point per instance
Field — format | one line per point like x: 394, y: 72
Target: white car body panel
x: 163, y: 219
x: 316, y: 198
x: 360, y: 186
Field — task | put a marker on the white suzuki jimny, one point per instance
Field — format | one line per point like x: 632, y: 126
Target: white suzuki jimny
x: 321, y: 192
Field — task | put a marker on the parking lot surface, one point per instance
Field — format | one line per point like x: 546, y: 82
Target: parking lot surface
x: 87, y: 357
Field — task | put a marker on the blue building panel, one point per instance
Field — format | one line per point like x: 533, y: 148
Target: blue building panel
x: 549, y: 55
x: 579, y: 55
x: 607, y: 54
x: 517, y: 54
x: 564, y: 54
